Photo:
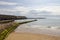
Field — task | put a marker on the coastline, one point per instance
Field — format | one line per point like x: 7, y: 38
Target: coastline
x: 26, y: 33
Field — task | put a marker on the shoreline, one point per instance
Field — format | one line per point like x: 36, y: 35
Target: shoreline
x: 33, y: 34
x: 46, y: 31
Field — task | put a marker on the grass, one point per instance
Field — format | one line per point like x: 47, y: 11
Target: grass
x: 7, y: 31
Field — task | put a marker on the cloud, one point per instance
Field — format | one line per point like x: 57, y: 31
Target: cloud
x: 39, y: 2
x: 54, y: 9
x: 8, y: 11
x: 30, y: 8
x: 19, y: 10
x: 45, y: 12
x: 36, y: 14
x: 32, y: 12
x: 22, y: 9
x: 7, y: 3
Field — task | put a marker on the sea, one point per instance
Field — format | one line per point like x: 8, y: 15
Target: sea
x: 49, y: 26
x: 52, y: 22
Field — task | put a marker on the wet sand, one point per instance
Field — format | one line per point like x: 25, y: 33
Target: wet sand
x: 30, y: 36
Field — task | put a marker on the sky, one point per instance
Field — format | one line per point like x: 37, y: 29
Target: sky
x: 30, y: 8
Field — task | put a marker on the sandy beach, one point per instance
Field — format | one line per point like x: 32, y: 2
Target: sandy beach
x: 30, y: 36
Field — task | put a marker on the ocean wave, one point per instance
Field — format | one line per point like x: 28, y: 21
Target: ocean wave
x: 45, y: 27
x: 55, y: 27
x: 39, y: 27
